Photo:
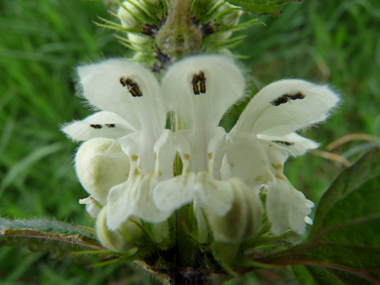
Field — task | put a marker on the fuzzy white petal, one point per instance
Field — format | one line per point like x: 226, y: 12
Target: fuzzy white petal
x: 308, y: 220
x: 286, y: 207
x: 164, y: 153
x: 135, y: 196
x: 248, y: 160
x: 295, y: 143
x: 101, y: 124
x: 218, y: 195
x: 224, y: 85
x: 91, y: 208
x: 201, y: 186
x: 102, y: 87
x: 174, y: 193
x: 277, y: 208
x: 285, y: 106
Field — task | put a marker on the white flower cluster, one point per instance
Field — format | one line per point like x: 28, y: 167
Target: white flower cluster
x: 126, y: 161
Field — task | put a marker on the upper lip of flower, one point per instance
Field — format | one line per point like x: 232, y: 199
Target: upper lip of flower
x: 208, y: 86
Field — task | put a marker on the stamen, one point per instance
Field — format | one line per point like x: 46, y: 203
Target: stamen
x: 96, y: 126
x: 284, y: 142
x: 285, y: 98
x: 195, y: 84
x: 133, y: 88
x: 111, y: 125
x: 202, y: 81
x: 199, y: 79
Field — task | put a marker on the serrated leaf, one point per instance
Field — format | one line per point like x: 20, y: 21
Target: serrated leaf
x: 261, y: 7
x: 344, y: 245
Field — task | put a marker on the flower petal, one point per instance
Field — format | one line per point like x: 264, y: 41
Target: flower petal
x: 247, y: 160
x: 174, y: 193
x: 286, y: 207
x: 135, y: 196
x: 164, y: 152
x: 285, y: 106
x: 295, y: 143
x: 201, y: 88
x: 214, y: 195
x: 91, y: 208
x: 125, y: 88
x: 101, y: 124
x: 277, y: 206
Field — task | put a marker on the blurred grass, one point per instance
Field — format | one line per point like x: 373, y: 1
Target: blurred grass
x: 335, y: 42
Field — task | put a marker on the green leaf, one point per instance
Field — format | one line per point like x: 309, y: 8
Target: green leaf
x: 344, y: 245
x: 261, y: 7
x: 56, y: 237
x: 364, y: 169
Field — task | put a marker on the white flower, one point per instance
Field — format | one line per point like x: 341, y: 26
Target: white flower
x: 268, y: 124
x: 133, y: 113
x: 200, y: 90
x: 127, y: 162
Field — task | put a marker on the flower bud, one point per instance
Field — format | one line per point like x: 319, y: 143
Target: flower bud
x: 100, y: 164
x: 128, y: 20
x: 229, y: 19
x: 125, y: 16
x: 127, y: 237
x: 244, y: 218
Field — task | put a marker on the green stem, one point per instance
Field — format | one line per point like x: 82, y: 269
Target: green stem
x: 179, y: 36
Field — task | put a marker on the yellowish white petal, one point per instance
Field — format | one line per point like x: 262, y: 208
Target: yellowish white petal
x: 99, y: 125
x: 285, y: 106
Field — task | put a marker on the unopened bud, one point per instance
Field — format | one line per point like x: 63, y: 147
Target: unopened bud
x: 125, y: 14
x: 129, y: 18
x: 244, y: 218
x: 101, y: 164
x: 229, y: 19
x: 126, y: 238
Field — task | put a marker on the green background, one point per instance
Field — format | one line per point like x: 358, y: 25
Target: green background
x: 41, y: 42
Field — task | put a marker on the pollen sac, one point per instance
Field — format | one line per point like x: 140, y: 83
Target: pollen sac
x: 284, y: 143
x: 96, y: 126
x: 133, y: 88
x: 285, y: 98
x: 199, y: 83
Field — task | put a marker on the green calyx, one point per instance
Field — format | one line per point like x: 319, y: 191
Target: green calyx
x: 163, y: 31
